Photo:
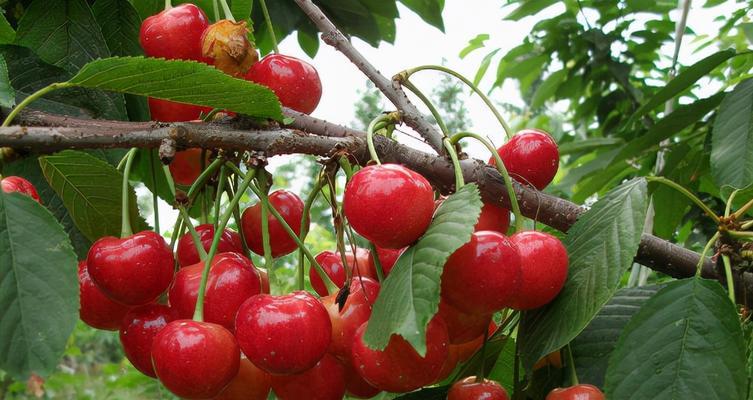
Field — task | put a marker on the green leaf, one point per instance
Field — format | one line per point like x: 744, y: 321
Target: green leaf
x: 732, y: 138
x: 179, y: 81
x: 7, y: 34
x: 120, y: 24
x: 474, y: 44
x: 484, y: 67
x: 586, y: 145
x: 38, y: 288
x: 685, y: 343
x: 548, y: 87
x: 429, y: 11
x: 309, y: 41
x: 529, y: 7
x: 91, y: 191
x: 600, y: 246
x: 7, y: 94
x: 147, y: 8
x: 410, y: 294
x: 747, y: 28
x: 503, y: 370
x: 241, y: 9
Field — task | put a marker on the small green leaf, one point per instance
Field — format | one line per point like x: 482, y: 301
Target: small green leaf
x: 409, y: 297
x: 600, y: 246
x: 309, y: 42
x: 528, y: 8
x: 182, y: 81
x: 7, y: 94
x: 429, y: 11
x: 732, y: 138
x: 747, y: 28
x: 484, y: 67
x: 7, y: 34
x: 548, y: 87
x: 38, y: 288
x: 685, y: 343
x: 586, y: 145
x: 474, y: 44
x: 120, y: 24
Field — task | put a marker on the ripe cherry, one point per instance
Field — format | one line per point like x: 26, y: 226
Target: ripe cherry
x: 577, y: 392
x: 471, y: 388
x: 290, y: 207
x: 333, y: 266
x: 325, y: 381
x: 355, y: 311
x: 137, y: 333
x: 295, y: 82
x: 398, y: 367
x: 283, y: 334
x: 483, y: 275
x: 11, y: 184
x: 389, y: 205
x: 232, y: 280
x: 387, y: 257
x: 355, y: 385
x: 134, y: 270
x: 531, y: 157
x: 251, y: 383
x: 96, y: 309
x: 543, y: 261
x: 195, y: 360
x: 170, y: 111
x: 186, y: 253
x: 186, y: 166
x: 463, y: 327
x: 174, y: 33
x: 493, y: 218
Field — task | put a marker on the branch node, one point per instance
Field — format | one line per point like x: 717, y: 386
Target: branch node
x: 167, y: 150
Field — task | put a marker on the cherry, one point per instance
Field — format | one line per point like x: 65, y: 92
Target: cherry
x: 325, y: 381
x: 138, y: 330
x: 577, y: 392
x: 186, y: 166
x: 134, y: 270
x: 388, y: 204
x: 11, y: 184
x: 170, y: 111
x: 96, y: 309
x: 483, y: 275
x: 463, y: 327
x: 232, y: 280
x: 398, y: 367
x: 226, y: 44
x: 283, y: 334
x: 195, y: 360
x: 355, y: 311
x: 387, y: 257
x: 493, y: 218
x: 333, y: 266
x: 355, y: 385
x: 543, y: 261
x: 458, y: 353
x: 290, y: 207
x: 186, y: 254
x: 174, y: 33
x: 531, y: 156
x: 471, y: 388
x: 295, y: 82
x: 251, y: 383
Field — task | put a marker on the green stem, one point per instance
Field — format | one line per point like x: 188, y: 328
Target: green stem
x: 177, y: 233
x: 370, y: 136
x: 168, y: 5
x: 470, y: 84
x: 220, y: 189
x: 125, y: 222
x: 264, y: 192
x: 482, y: 371
x: 705, y: 251
x: 728, y: 275
x: 221, y: 224
x: 192, y: 230
x: 571, y: 364
x: 730, y: 199
x: 747, y: 225
x: 687, y: 194
x: 169, y: 178
x: 459, y: 181
x: 204, y: 201
x: 502, y: 171
x: 203, y: 177
x: 305, y: 228
x: 216, y: 7
x: 739, y: 213
x: 231, y: 190
x: 377, y: 262
x: 434, y: 112
x: 155, y: 199
x: 268, y: 21
x: 39, y: 93
x: 226, y: 10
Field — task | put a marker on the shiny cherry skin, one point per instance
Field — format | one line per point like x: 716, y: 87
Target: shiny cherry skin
x: 96, y: 309
x: 186, y: 254
x: 325, y: 381
x: 483, y: 275
x: 295, y: 82
x: 283, y: 334
x: 251, y: 383
x: 471, y: 389
x: 355, y: 311
x: 11, y: 184
x: 398, y: 367
x: 463, y: 327
x: 531, y: 157
x: 577, y: 392
x: 332, y: 264
x: 544, y: 263
x: 290, y: 207
x: 186, y: 166
x: 355, y: 385
x: 195, y: 360
x: 387, y: 257
x: 170, y: 111
x: 388, y: 204
x: 232, y: 280
x: 137, y: 333
x: 493, y: 218
x: 174, y: 33
x: 134, y: 270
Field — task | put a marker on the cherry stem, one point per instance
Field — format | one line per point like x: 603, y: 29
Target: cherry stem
x: 221, y: 224
x: 270, y: 28
x: 500, y: 165
x: 261, y: 179
x: 470, y: 84
x: 739, y: 213
x: 155, y: 199
x: 728, y: 276
x: 373, y: 126
x: 571, y: 364
x: 434, y: 112
x: 169, y: 178
x: 305, y: 228
x: 231, y: 189
x: 216, y: 7
x: 459, y: 181
x: 176, y: 233
x: 125, y: 222
x: 220, y: 190
x: 25, y: 102
x: 730, y: 199
x: 168, y: 5
x: 192, y: 230
x: 203, y: 177
x: 705, y: 251
x: 686, y: 193
x: 377, y: 262
x: 226, y: 10
x: 482, y: 371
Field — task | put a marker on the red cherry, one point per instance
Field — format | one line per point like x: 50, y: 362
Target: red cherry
x: 295, y: 82
x: 333, y: 266
x: 137, y: 332
x: 174, y: 33
x: 463, y: 327
x: 531, y: 156
x: 170, y: 111
x: 472, y: 389
x: 389, y: 205
x: 483, y: 275
x: 355, y: 311
x: 290, y: 207
x: 399, y: 368
x: 283, y: 334
x: 493, y: 218
x: 577, y: 392
x: 543, y: 261
x: 186, y: 166
x: 355, y: 385
x: 195, y: 360
x: 11, y: 184
x: 387, y: 257
x: 325, y: 381
x: 186, y: 254
x: 458, y: 353
x: 251, y: 383
x: 232, y: 280
x: 134, y: 270
x: 96, y: 309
